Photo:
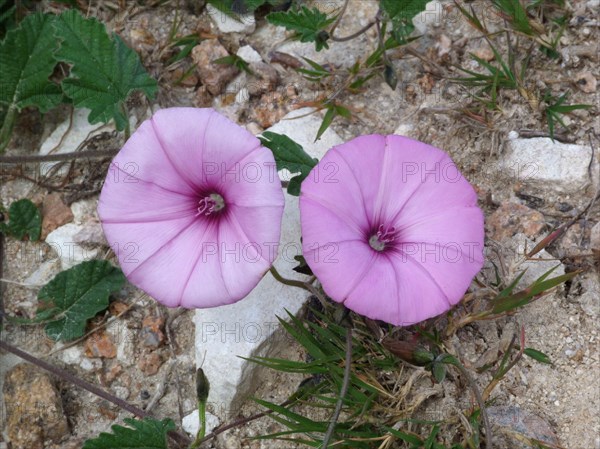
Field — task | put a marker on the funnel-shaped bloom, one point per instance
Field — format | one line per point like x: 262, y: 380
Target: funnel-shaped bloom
x: 192, y: 207
x: 391, y: 228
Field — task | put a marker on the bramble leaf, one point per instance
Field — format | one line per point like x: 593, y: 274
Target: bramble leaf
x: 25, y: 219
x: 26, y: 63
x: 76, y: 295
x: 309, y: 25
x: 105, y: 71
x: 401, y: 13
x: 146, y: 434
x: 290, y: 156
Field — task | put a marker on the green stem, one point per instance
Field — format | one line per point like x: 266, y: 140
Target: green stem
x: 7, y: 126
x: 202, y: 430
x: 127, y: 130
x: 304, y: 285
x: 290, y: 282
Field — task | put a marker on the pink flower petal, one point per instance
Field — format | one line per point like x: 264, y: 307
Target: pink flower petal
x: 183, y: 232
x: 408, y: 231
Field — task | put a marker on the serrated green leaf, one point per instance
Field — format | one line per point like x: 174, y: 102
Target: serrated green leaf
x: 290, y: 156
x: 105, y: 71
x: 234, y: 8
x: 24, y: 220
x: 401, y: 13
x: 26, y: 63
x: 309, y: 25
x: 146, y: 434
x: 78, y: 294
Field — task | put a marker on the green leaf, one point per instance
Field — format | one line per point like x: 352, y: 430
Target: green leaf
x: 25, y: 220
x: 401, y: 13
x: 234, y: 8
x: 235, y: 61
x: 527, y: 295
x: 26, y: 63
x: 327, y: 120
x: 309, y: 25
x: 26, y: 56
x: 76, y: 295
x: 146, y: 434
x: 105, y: 71
x: 439, y: 371
x: 290, y: 156
x: 537, y: 355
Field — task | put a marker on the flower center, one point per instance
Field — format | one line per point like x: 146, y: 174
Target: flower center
x: 384, y: 235
x: 210, y: 204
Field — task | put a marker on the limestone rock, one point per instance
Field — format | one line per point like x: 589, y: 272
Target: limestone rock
x: 511, y: 218
x: 543, y: 166
x: 34, y: 412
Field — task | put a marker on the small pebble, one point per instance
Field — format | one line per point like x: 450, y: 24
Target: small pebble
x: 144, y: 395
x: 121, y: 392
x: 513, y: 135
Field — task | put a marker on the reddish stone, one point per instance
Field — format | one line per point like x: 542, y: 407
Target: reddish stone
x: 512, y: 218
x: 100, y: 344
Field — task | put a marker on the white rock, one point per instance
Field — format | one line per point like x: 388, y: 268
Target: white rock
x: 543, y: 165
x: 247, y: 328
x: 535, y: 267
x: 72, y: 355
x: 432, y: 16
x: 90, y: 364
x: 191, y: 423
x: 91, y: 234
x: 44, y: 273
x: 245, y: 23
x: 83, y: 210
x: 302, y: 126
x: 242, y: 96
x: 62, y: 241
x: 512, y: 135
x: 65, y: 139
x: 249, y: 54
x: 405, y: 129
x: 590, y: 298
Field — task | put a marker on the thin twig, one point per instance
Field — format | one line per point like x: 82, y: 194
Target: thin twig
x: 343, y: 391
x: 171, y: 343
x: 57, y: 157
x: 93, y: 331
x: 241, y: 422
x: 161, y: 387
x: 75, y: 380
x: 363, y: 30
x: 1, y: 275
x: 179, y: 438
x: 339, y: 17
x: 480, y: 401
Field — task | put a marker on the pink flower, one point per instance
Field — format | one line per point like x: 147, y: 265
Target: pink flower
x: 391, y: 228
x: 192, y: 207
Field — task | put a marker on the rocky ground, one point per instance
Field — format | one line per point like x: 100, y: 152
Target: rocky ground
x: 528, y: 185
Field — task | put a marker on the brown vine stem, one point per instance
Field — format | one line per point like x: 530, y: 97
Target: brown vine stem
x: 180, y: 438
x: 75, y: 380
x: 57, y: 157
x: 241, y: 422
